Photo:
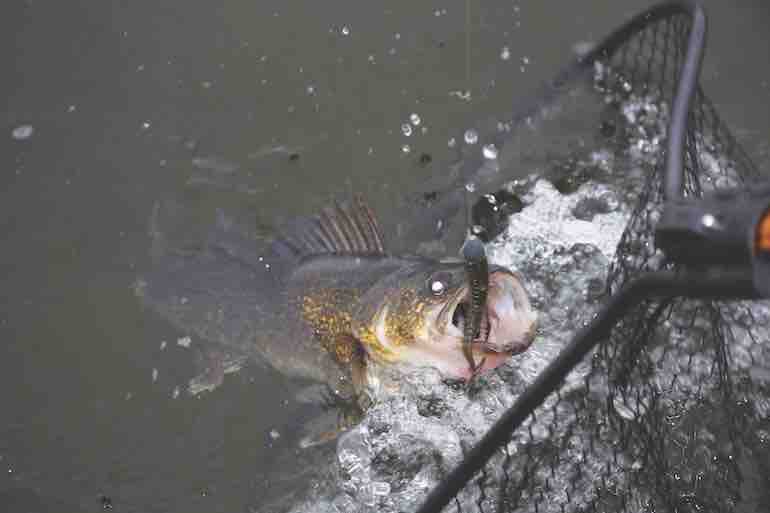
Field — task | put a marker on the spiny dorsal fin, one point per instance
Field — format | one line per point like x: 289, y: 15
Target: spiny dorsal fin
x: 347, y: 228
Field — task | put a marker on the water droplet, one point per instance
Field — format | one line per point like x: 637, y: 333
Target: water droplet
x: 22, y: 132
x: 477, y: 229
x: 505, y: 53
x: 310, y: 89
x: 406, y: 129
x: 146, y: 125
x: 406, y: 148
x: 489, y: 151
x: 274, y: 434
x: 414, y: 118
x: 463, y: 95
x: 154, y: 375
x: 471, y: 136
x: 397, y: 35
x: 470, y: 187
x: 345, y: 30
x: 525, y: 60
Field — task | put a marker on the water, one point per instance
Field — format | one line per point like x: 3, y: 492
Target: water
x: 125, y: 98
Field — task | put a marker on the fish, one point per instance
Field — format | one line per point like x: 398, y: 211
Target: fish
x: 324, y: 300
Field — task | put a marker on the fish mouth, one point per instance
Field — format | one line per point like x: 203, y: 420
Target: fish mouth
x: 507, y: 323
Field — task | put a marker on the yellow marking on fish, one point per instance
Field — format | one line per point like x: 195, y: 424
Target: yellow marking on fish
x: 328, y: 312
x: 406, y: 321
x: 374, y: 347
x: 373, y: 337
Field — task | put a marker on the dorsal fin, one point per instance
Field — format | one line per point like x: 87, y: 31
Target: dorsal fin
x: 344, y: 228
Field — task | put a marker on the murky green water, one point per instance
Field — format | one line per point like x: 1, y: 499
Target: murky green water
x: 122, y: 96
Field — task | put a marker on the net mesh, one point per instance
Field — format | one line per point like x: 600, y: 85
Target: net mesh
x: 673, y: 409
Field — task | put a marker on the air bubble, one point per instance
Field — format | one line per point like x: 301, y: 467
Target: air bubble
x: 471, y: 136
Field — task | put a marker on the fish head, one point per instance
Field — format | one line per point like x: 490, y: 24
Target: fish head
x: 420, y: 315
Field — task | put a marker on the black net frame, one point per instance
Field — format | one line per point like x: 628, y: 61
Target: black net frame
x: 668, y: 415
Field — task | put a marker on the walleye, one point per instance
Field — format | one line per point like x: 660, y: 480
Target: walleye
x: 324, y: 300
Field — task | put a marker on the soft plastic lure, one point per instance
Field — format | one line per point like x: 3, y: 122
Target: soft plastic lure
x: 477, y: 270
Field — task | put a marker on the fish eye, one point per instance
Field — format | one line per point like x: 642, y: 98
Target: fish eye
x: 437, y: 287
x: 439, y: 283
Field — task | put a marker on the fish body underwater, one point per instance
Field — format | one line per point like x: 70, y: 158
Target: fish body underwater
x: 324, y: 301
